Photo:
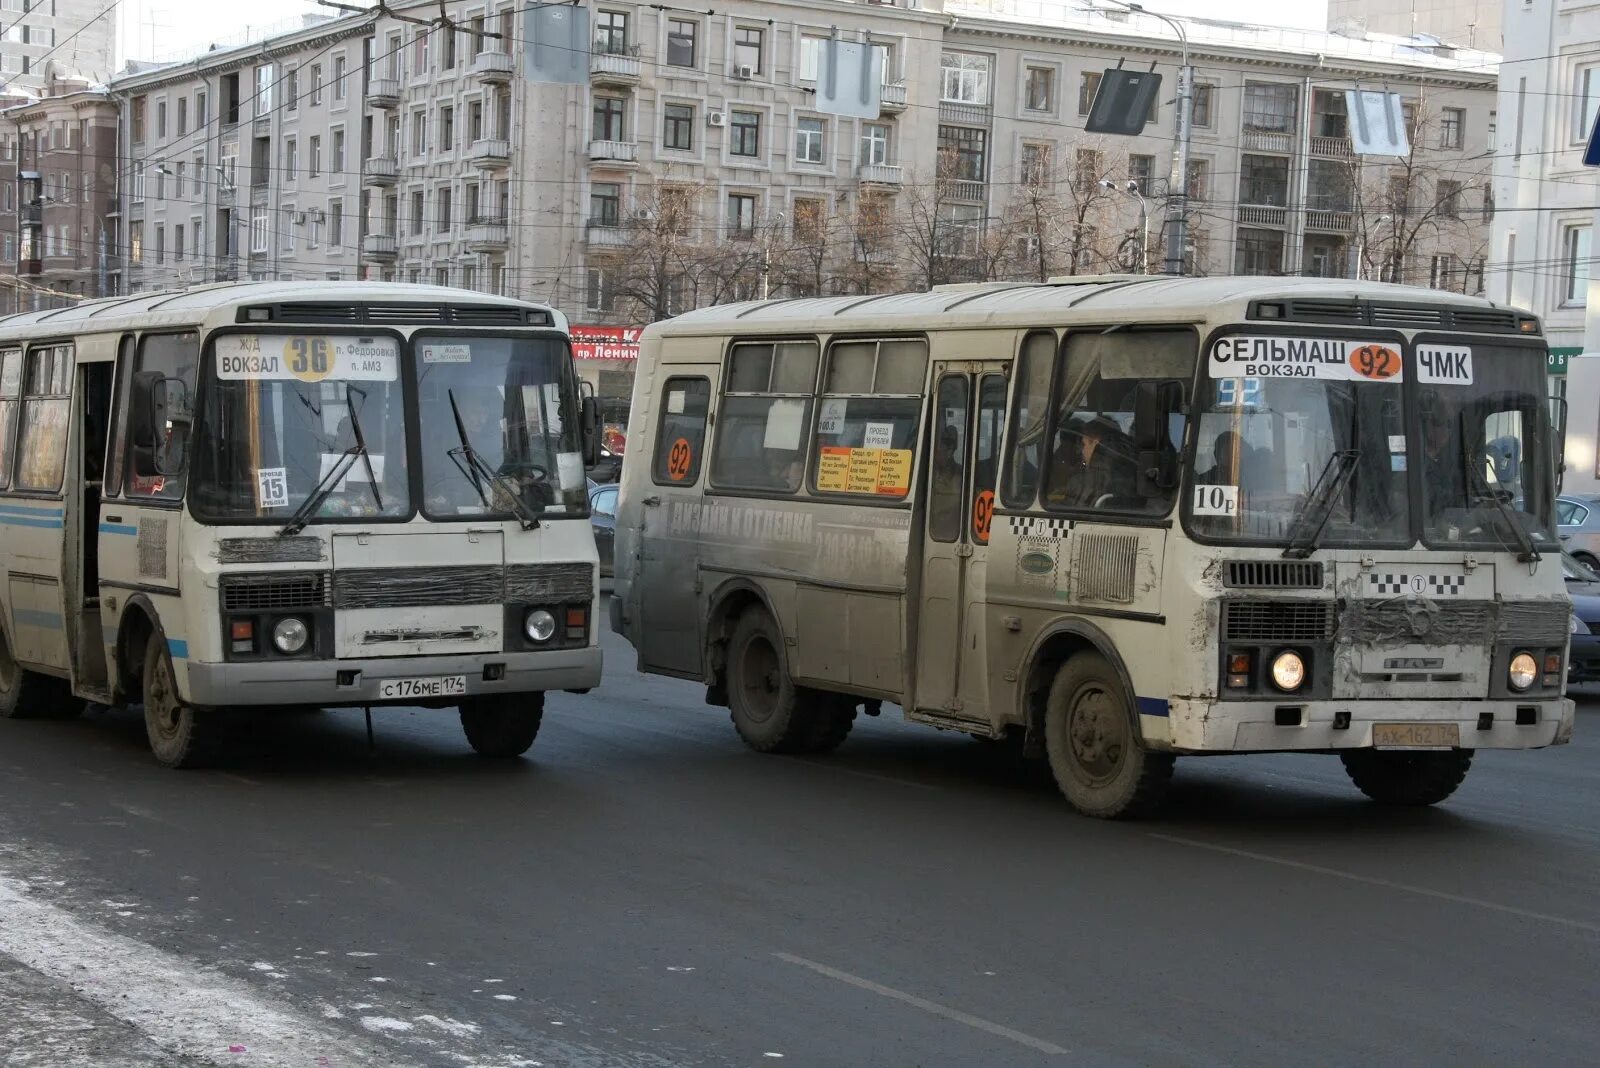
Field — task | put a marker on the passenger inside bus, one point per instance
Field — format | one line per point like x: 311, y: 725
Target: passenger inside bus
x: 1445, y: 485
x: 1092, y: 462
x: 1227, y: 461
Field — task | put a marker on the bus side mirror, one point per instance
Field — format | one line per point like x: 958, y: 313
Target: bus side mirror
x: 158, y: 423
x: 591, y: 431
x: 1153, y: 405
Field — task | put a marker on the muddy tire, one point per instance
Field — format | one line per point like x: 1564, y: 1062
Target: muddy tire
x: 27, y: 694
x: 832, y: 716
x: 1407, y: 778
x: 180, y: 735
x: 769, y: 711
x: 502, y: 726
x: 1094, y: 755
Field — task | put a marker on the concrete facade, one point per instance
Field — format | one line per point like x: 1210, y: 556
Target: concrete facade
x: 41, y: 40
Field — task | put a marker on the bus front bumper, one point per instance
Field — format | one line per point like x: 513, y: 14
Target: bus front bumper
x: 1204, y: 726
x: 358, y: 682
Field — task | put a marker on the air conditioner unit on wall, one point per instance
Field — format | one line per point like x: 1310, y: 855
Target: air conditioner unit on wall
x: 716, y: 118
x: 744, y: 72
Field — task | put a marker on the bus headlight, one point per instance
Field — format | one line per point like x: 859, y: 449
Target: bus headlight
x: 1288, y: 671
x: 539, y: 625
x: 1523, y: 672
x: 290, y: 636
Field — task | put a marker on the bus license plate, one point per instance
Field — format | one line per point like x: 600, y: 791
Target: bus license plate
x: 435, y: 686
x: 1416, y: 735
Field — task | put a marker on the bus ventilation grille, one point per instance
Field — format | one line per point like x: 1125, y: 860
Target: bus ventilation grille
x: 1104, y: 568
x: 274, y: 592
x: 1277, y: 621
x: 397, y: 314
x: 1273, y: 575
x: 1384, y: 313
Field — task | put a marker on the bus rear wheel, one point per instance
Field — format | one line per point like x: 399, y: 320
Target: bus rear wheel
x: 1094, y: 756
x: 1407, y: 778
x: 771, y: 713
x: 27, y: 694
x: 502, y: 726
x: 180, y: 735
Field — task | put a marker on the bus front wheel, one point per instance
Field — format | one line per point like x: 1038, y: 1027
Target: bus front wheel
x: 1094, y: 756
x: 770, y: 712
x: 502, y: 726
x: 181, y: 736
x: 1407, y: 778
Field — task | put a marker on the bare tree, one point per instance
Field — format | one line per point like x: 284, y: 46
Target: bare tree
x: 869, y: 262
x: 658, y: 259
x: 940, y: 224
x: 1069, y: 215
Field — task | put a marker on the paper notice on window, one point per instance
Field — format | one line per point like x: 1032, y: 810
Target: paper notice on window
x: 357, y: 472
x: 533, y: 409
x: 785, y: 424
x: 878, y: 436
x: 1216, y: 500
x: 675, y: 401
x: 879, y: 472
x: 1397, y: 443
x: 569, y: 470
x: 446, y: 353
x: 1444, y: 365
x: 833, y: 416
x: 552, y: 406
x: 272, y: 484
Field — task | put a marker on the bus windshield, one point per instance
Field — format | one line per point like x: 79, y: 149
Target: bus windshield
x: 1273, y: 434
x: 283, y: 414
x: 514, y: 403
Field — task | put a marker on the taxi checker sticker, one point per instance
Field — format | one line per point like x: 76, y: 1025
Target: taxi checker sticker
x: 307, y: 358
x: 1340, y: 359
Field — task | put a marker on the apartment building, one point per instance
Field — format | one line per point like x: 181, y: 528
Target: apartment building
x: 1472, y: 23
x: 45, y: 39
x: 246, y: 162
x: 1543, y: 243
x: 58, y: 195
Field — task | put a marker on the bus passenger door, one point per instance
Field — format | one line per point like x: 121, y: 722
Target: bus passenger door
x: 963, y: 453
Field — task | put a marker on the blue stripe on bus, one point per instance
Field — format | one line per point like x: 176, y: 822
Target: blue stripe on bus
x: 29, y: 617
x: 118, y: 528
x: 1153, y: 706
x: 29, y: 509
x: 19, y: 521
x: 178, y: 648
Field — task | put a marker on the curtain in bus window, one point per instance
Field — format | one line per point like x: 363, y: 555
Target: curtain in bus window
x: 10, y: 390
x: 765, y: 410
x: 867, y: 426
x: 46, y: 408
x: 1026, y: 461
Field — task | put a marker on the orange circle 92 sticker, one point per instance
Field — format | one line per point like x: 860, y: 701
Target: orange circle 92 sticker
x: 982, y: 516
x: 1378, y: 362
x: 679, y: 459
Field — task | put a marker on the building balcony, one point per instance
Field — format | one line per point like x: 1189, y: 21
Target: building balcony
x: 614, y: 153
x: 490, y: 153
x: 964, y: 114
x: 488, y: 235
x: 30, y: 267
x: 262, y: 126
x: 880, y: 174
x: 605, y: 234
x: 260, y: 193
x: 964, y: 190
x: 384, y: 93
x: 1338, y: 222
x: 1262, y: 215
x: 1266, y: 141
x: 1331, y: 147
x: 493, y: 67
x: 380, y: 248
x: 31, y: 214
x: 892, y: 98
x: 381, y: 171
x: 613, y: 70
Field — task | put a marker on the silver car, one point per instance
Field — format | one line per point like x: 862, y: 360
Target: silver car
x: 1578, y: 523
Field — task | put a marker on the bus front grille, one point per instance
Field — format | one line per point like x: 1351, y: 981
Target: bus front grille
x: 417, y: 587
x: 274, y: 592
x: 1273, y: 574
x: 1277, y: 621
x: 549, y: 583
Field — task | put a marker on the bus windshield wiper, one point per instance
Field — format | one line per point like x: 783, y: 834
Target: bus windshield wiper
x: 361, y: 444
x: 476, y: 471
x: 319, y: 493
x: 1527, y: 552
x: 1305, y: 531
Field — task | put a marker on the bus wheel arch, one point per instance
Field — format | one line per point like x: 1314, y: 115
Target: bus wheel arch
x: 728, y: 603
x: 1050, y: 653
x: 138, y: 623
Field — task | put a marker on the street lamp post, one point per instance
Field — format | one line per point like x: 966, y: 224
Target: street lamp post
x: 1361, y: 247
x: 1177, y: 225
x: 1132, y: 189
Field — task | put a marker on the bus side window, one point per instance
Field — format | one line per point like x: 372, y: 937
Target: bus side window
x: 46, y: 408
x: 867, y: 427
x: 762, y: 420
x: 10, y: 390
x: 681, y: 434
x: 118, y: 415
x: 176, y: 356
x: 1026, y: 460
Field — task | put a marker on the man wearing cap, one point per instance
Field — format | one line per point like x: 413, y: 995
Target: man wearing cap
x: 1082, y: 476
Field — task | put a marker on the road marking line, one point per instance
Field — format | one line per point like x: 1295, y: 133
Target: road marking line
x: 925, y: 1005
x: 1388, y: 884
x: 183, y: 1008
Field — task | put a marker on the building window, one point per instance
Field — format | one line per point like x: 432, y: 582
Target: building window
x: 1088, y: 86
x: 336, y: 156
x: 810, y: 218
x: 811, y: 58
x: 1140, y: 171
x: 447, y: 128
x: 442, y: 206
x: 1575, y: 267
x: 419, y: 52
x: 474, y: 121
x: 1200, y: 105
x: 136, y: 122
x: 1264, y: 180
x: 683, y: 36
x: 161, y: 244
x: 744, y: 133
x: 1040, y: 89
x: 1441, y: 270
x: 314, y: 156
x: 1452, y: 122
x: 291, y: 88
x: 135, y: 242
x: 418, y: 209
x: 605, y: 204
x: 1448, y: 198
x: 1088, y: 170
x: 808, y: 140
x: 335, y: 222
x: 966, y: 147
x: 419, y: 133
x: 608, y: 119
x: 316, y: 83
x: 441, y: 276
x: 1035, y: 165
x: 1269, y: 108
x: 1198, y: 178
x: 338, y: 77
x: 964, y: 78
x: 161, y: 120
x: 1259, y: 252
x: 741, y: 216
x: 747, y: 47
x: 678, y: 127
x: 875, y: 143
x: 600, y: 294
x: 183, y: 115
x: 291, y: 159
x: 611, y: 33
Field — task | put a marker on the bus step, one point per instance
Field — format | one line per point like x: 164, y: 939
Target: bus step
x: 946, y: 720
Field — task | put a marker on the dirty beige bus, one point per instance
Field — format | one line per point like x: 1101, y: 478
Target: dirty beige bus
x: 1124, y: 519
x: 270, y: 495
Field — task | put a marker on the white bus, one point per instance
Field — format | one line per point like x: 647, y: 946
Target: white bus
x: 1126, y: 519
x: 293, y: 494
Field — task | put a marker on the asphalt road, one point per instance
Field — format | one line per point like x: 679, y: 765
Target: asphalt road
x: 644, y: 891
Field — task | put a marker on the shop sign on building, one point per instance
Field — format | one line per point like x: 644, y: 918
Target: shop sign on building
x: 605, y: 342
